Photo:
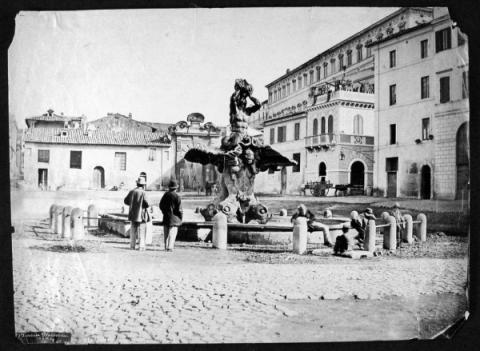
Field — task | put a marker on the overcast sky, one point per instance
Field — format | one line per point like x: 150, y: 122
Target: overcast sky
x: 163, y: 64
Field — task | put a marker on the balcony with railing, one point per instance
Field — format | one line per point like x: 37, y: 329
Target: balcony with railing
x: 329, y: 140
x: 342, y: 90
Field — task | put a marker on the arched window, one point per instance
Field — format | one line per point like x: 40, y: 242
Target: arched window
x: 330, y: 124
x: 358, y: 125
x: 323, y: 125
x: 315, y: 126
x: 322, y: 170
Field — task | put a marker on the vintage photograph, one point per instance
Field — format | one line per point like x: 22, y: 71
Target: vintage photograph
x: 239, y: 175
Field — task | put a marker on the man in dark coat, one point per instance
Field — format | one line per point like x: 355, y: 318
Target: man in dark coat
x: 138, y: 214
x: 171, y: 207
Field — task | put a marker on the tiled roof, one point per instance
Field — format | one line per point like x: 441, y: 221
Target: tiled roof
x: 53, y: 118
x: 95, y: 137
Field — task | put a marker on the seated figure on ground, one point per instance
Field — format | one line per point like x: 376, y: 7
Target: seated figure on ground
x: 313, y: 224
x: 360, y: 223
x: 343, y: 243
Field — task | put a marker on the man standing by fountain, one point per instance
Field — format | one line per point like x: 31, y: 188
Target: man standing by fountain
x: 171, y: 207
x: 138, y: 214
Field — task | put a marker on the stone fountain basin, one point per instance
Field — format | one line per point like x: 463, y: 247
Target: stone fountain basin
x: 279, y: 230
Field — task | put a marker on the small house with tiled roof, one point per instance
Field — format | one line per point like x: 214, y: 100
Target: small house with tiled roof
x: 69, y: 153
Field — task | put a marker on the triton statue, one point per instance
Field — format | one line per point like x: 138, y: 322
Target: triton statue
x: 239, y: 159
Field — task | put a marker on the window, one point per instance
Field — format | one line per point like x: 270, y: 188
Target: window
x: 359, y: 54
x: 296, y: 168
x: 315, y: 126
x: 424, y: 48
x: 425, y: 87
x: 318, y: 73
x: 272, y: 135
x: 443, y: 39
x: 167, y: 155
x: 120, y: 161
x: 369, y: 51
x: 76, y: 159
x: 270, y: 96
x: 332, y: 61
x: 284, y: 91
x: 340, y: 62
x: 294, y: 85
x: 288, y: 88
x: 44, y: 156
x: 299, y: 82
x: 444, y: 89
x: 391, y: 164
x: 349, y: 58
x: 425, y: 128
x: 152, y: 154
x: 358, y: 125
x: 393, y: 58
x: 282, y: 134
x: 311, y: 77
x: 323, y: 126
x: 464, y: 85
x: 325, y: 70
x: 393, y: 94
x: 297, y: 131
x: 461, y: 39
x: 330, y: 124
x: 305, y: 82
x: 393, y: 134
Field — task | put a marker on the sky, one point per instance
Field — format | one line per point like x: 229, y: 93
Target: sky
x: 162, y: 64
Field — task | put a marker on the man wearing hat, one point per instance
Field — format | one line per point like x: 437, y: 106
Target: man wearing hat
x: 171, y: 207
x: 343, y: 242
x: 401, y: 224
x: 138, y: 213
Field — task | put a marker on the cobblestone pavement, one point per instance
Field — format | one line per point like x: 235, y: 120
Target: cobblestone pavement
x: 110, y: 294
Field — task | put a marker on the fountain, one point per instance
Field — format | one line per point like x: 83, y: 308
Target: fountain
x: 240, y: 158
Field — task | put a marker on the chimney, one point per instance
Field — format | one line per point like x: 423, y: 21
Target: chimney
x: 129, y: 115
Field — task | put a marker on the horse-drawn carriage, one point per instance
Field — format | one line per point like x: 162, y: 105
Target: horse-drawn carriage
x: 318, y: 188
x: 321, y: 188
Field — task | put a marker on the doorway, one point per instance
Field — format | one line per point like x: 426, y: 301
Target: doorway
x: 357, y: 174
x: 283, y: 180
x: 392, y: 184
x: 462, y: 162
x: 322, y: 171
x: 98, y: 177
x: 425, y: 185
x: 43, y: 178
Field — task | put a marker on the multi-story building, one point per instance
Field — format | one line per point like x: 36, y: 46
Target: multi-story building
x: 422, y: 111
x: 70, y: 153
x: 94, y: 156
x: 322, y: 112
x: 256, y: 119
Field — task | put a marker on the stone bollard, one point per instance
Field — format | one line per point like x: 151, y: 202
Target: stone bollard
x: 219, y: 235
x: 370, y: 235
x: 148, y: 233
x: 300, y: 235
x: 52, y: 217
x: 390, y: 236
x: 58, y: 220
x: 67, y: 223
x: 283, y: 212
x: 78, y: 231
x: 408, y: 232
x: 422, y: 227
x: 92, y: 214
x: 327, y: 214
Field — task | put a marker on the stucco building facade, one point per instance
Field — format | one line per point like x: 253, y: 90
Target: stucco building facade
x: 422, y: 112
x: 322, y: 112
